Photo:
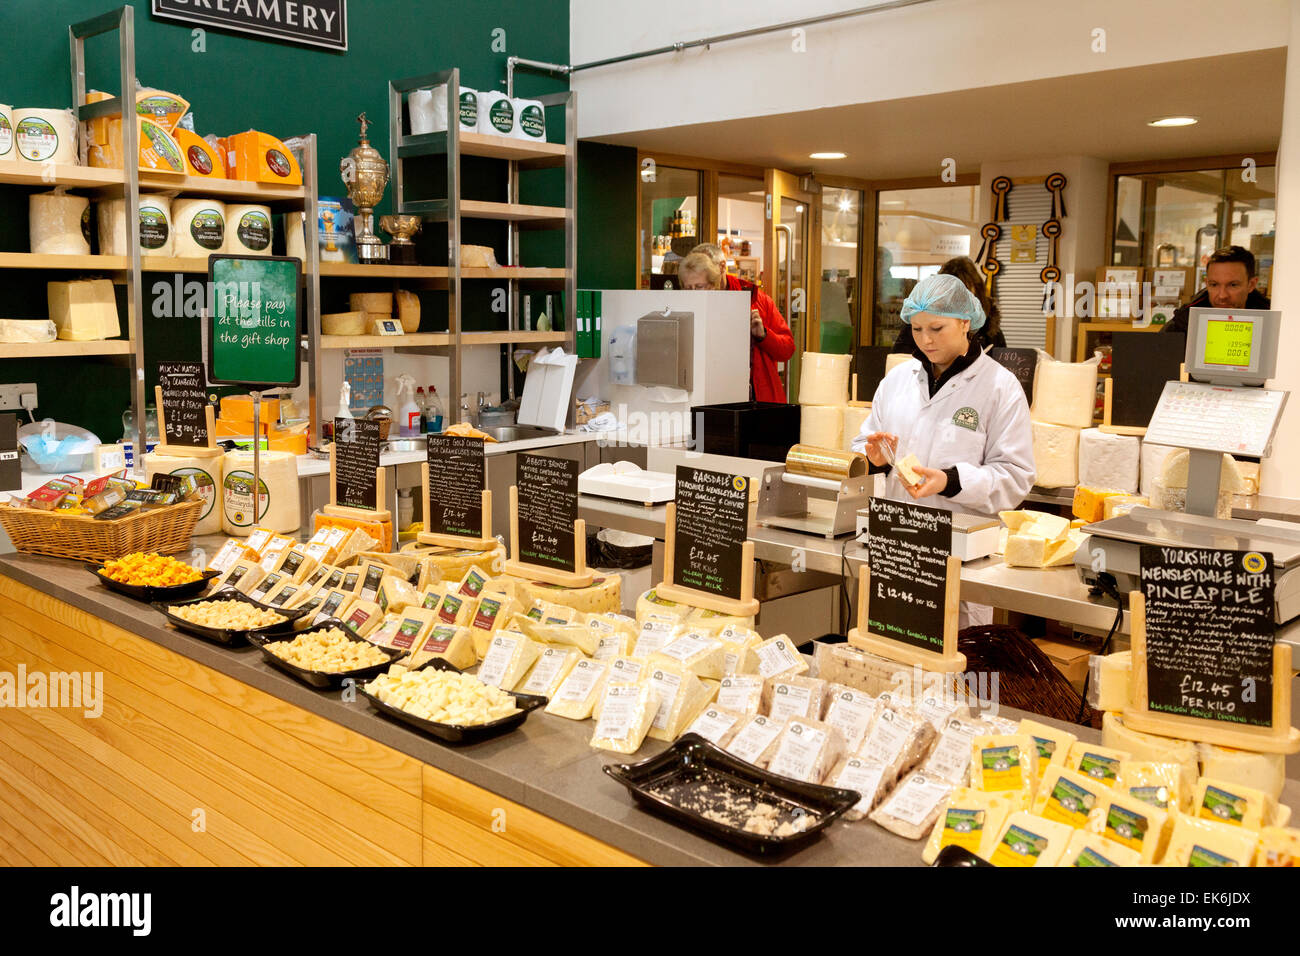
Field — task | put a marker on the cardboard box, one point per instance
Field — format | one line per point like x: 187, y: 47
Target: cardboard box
x: 1070, y: 659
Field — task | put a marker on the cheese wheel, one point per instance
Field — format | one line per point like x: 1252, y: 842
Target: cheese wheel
x: 376, y: 302
x: 45, y: 136
x: 1056, y: 455
x: 200, y: 227
x: 344, y: 323
x: 821, y: 425
x: 651, y: 603
x: 59, y: 224
x: 201, y: 158
x: 601, y: 596
x: 824, y: 379
x: 207, y: 479
x: 1263, y: 772
x: 496, y: 113
x: 854, y: 416
x: 248, y: 230
x: 156, y: 235
x: 6, y: 133
x: 1065, y: 393
x: 259, y: 157
x: 408, y: 310
x: 278, y: 505
x: 530, y: 120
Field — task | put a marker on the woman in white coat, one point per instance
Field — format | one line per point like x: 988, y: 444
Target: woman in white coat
x: 960, y: 413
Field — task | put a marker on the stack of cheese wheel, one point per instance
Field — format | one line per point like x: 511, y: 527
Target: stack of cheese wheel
x: 156, y: 235
x: 279, y: 504
x: 823, y: 399
x: 207, y: 477
x: 1064, y: 401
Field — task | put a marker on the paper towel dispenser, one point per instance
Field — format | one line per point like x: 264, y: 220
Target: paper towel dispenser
x: 665, y: 349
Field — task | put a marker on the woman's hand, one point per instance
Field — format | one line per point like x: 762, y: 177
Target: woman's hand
x: 933, y: 482
x: 757, y: 330
x: 880, y: 448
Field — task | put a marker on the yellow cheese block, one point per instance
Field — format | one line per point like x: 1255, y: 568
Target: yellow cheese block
x: 508, y: 659
x: 1154, y: 782
x: 201, y: 159
x: 450, y: 564
x: 549, y: 670
x: 1229, y: 803
x: 603, y: 595
x: 1132, y: 823
x: 1112, y: 676
x: 1263, y: 772
x: 1278, y: 846
x: 1197, y: 842
x: 1001, y: 762
x: 1089, y: 849
x: 84, y: 310
x: 1090, y: 503
x: 970, y: 819
x: 260, y: 157
x: 626, y: 712
x: 1027, y: 840
x: 577, y: 694
x: 1053, y: 745
x: 240, y: 408
x: 1143, y: 746
x: 1068, y: 797
x: 651, y: 603
x: 1117, y: 505
x: 681, y: 695
x: 1099, y: 763
x: 362, y: 617
x: 455, y: 645
x: 381, y: 531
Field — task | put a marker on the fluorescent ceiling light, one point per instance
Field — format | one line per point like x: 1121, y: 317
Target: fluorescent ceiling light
x: 1165, y: 122
x: 827, y: 155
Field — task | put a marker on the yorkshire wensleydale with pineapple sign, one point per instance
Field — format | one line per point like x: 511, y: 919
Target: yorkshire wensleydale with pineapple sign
x: 311, y: 22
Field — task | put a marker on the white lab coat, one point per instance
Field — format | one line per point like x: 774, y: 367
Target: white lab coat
x: 978, y: 422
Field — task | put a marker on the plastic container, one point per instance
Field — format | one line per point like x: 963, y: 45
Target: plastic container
x: 762, y: 430
x: 433, y: 416
x: 58, y: 448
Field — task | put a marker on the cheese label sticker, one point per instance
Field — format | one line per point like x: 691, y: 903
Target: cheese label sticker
x: 790, y: 700
x: 278, y: 163
x: 350, y: 580
x: 1018, y: 847
x: 153, y: 227
x: 374, y: 577
x: 6, y: 136
x: 439, y: 640
x: 357, y: 619
x: 1000, y: 768
x: 486, y: 616
x: 533, y: 122
x: 37, y: 139
x: 1126, y: 827
x: 200, y: 160
x: 468, y: 111
x: 502, y: 117
x: 254, y: 230
x: 1200, y: 856
x: 1105, y: 769
x: 284, y: 595
x: 712, y: 724
x: 1156, y: 796
x: 963, y: 828
x: 1069, y: 803
x: 1090, y: 857
x: 1222, y: 806
x: 473, y: 583
x: 208, y: 229
x: 1045, y: 750
x: 578, y: 685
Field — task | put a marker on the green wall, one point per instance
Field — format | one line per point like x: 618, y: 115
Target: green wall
x: 607, y: 241
x: 239, y: 83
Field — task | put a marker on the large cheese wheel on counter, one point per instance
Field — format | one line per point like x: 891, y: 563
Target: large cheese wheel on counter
x: 1143, y: 746
x: 854, y: 416
x: 821, y: 425
x: 1056, y: 455
x: 824, y: 379
x: 1065, y: 393
x: 651, y: 603
x: 278, y: 498
x: 207, y: 477
x: 602, y: 595
x: 450, y: 564
x: 1264, y: 772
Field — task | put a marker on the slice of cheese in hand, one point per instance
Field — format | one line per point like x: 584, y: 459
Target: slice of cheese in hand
x: 907, y: 470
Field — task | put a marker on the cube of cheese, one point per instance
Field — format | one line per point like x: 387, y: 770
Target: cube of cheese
x: 626, y: 713
x: 508, y: 660
x: 1088, y: 849
x: 907, y: 472
x: 1198, y: 842
x: 717, y: 725
x: 702, y: 655
x: 1090, y: 503
x: 549, y: 670
x: 778, y: 657
x: 806, y: 750
x: 969, y: 819
x: 1028, y: 840
x: 1025, y: 551
x: 1133, y: 823
x: 681, y: 696
x: 1067, y: 797
x: 84, y: 310
x: 577, y: 693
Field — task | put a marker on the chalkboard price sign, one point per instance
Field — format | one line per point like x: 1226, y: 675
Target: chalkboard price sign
x: 456, y: 477
x: 356, y: 463
x: 185, y: 404
x: 1022, y: 363
x: 1209, y: 633
x: 252, y: 336
x: 908, y: 549
x: 548, y: 508
x: 712, y: 519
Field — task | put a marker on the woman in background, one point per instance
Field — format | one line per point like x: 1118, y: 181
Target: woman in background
x: 964, y: 268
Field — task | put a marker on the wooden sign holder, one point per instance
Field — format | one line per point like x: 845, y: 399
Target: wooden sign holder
x: 484, y: 543
x: 947, y: 661
x: 580, y: 577
x: 853, y: 393
x: 1281, y: 738
x: 1139, y: 430
x: 358, y: 514
x: 209, y: 450
x: 744, y: 606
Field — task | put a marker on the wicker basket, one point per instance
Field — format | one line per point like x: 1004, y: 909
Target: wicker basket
x: 165, y: 530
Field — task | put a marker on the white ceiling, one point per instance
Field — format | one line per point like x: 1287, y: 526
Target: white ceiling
x: 1237, y: 98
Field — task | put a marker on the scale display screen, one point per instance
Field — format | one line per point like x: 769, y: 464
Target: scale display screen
x: 1228, y: 343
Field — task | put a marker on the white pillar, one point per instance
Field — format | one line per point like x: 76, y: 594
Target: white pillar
x: 1281, y: 473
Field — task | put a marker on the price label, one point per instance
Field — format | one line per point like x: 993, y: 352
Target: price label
x: 456, y: 476
x: 185, y: 404
x: 356, y: 463
x: 908, y: 548
x: 548, y: 507
x: 712, y: 519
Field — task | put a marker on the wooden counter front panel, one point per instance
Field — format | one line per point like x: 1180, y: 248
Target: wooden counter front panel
x: 187, y: 766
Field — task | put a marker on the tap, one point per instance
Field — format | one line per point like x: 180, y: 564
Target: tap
x: 465, y: 415
x: 482, y: 404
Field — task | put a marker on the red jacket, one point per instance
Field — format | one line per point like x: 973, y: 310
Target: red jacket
x: 776, y: 346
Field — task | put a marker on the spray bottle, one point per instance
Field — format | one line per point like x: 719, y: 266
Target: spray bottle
x: 408, y: 413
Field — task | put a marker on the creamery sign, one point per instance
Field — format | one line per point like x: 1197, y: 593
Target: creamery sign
x: 312, y: 22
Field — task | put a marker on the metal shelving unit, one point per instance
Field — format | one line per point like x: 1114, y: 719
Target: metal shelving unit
x: 518, y: 155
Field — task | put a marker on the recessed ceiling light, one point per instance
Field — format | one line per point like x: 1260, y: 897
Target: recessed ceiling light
x: 827, y: 155
x: 845, y: 205
x: 1166, y: 122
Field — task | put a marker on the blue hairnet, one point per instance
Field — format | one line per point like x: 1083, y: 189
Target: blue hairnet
x: 944, y: 295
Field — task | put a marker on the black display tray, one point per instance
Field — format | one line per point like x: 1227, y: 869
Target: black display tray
x: 148, y: 592
x: 322, y: 680
x: 958, y: 856
x: 452, y: 733
x: 693, y: 759
x: 225, y: 635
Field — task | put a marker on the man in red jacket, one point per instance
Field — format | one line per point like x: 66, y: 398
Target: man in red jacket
x: 769, y: 335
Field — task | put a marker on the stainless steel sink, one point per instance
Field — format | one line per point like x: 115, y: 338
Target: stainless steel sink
x: 505, y: 433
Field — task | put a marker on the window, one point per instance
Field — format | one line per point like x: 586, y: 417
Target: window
x: 1178, y: 218
x: 841, y: 222
x: 741, y: 224
x: 918, y: 230
x: 670, y: 214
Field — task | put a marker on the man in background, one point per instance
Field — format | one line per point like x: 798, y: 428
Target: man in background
x: 1230, y: 282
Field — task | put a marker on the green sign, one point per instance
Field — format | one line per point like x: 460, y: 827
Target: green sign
x: 253, y: 321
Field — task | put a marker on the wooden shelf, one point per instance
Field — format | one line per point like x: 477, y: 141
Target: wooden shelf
x: 511, y: 273
x: 30, y: 260
x: 356, y: 270
x: 59, y: 349
x: 73, y: 177
x: 515, y: 338
x: 512, y: 212
x: 172, y: 264
x: 224, y: 188
x: 410, y: 340
x: 525, y: 152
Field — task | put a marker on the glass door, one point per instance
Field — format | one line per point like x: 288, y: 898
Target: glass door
x: 789, y: 259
